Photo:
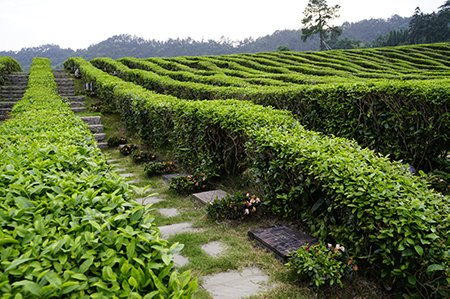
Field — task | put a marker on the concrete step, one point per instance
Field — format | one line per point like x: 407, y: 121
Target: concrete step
x: 92, y: 120
x: 13, y: 87
x: 100, y: 137
x: 96, y: 128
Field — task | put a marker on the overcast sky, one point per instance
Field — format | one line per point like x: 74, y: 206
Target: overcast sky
x: 78, y: 24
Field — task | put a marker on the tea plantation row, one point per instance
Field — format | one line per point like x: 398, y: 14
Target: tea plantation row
x: 346, y: 194
x: 69, y: 227
x: 406, y: 119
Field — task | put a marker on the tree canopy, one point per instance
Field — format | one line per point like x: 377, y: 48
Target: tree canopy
x: 317, y: 21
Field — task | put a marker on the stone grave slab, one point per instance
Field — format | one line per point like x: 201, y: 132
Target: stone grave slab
x: 235, y: 284
x: 168, y: 212
x: 205, y: 197
x: 280, y: 239
x: 167, y: 177
x: 214, y: 248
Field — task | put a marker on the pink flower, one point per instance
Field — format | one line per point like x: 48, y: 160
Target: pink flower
x: 247, y: 211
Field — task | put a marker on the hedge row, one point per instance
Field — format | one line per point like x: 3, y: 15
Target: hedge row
x: 7, y: 66
x: 388, y: 219
x: 69, y: 228
x: 408, y: 120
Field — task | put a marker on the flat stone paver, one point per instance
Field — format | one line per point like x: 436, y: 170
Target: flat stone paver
x: 127, y: 175
x: 177, y: 228
x: 168, y: 212
x: 214, y: 248
x: 180, y: 260
x: 132, y: 182
x: 112, y: 160
x: 120, y: 169
x: 205, y: 197
x: 149, y: 200
x: 234, y: 284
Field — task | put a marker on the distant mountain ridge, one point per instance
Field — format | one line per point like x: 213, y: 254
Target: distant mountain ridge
x: 124, y: 45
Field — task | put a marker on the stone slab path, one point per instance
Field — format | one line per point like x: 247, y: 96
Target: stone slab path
x: 235, y: 284
x: 214, y: 248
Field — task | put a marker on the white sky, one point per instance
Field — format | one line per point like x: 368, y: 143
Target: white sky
x: 78, y: 24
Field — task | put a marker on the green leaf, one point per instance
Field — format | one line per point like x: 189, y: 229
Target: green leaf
x: 29, y: 286
x: 435, y: 267
x: 85, y: 265
x: 418, y: 249
x: 18, y: 262
x: 412, y: 280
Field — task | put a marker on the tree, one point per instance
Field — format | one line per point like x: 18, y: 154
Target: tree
x: 317, y: 17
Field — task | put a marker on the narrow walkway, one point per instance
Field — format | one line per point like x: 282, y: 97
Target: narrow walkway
x: 12, y: 92
x: 224, y: 285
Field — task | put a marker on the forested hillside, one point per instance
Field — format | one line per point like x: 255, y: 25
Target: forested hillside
x: 362, y: 34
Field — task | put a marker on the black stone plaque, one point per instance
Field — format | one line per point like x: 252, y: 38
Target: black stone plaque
x: 280, y: 239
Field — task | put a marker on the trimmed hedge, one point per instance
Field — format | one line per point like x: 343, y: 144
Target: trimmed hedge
x: 408, y: 120
x: 69, y: 228
x: 346, y: 194
x: 7, y: 66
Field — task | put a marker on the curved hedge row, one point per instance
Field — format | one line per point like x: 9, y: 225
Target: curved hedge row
x: 409, y: 120
x: 346, y: 194
x: 7, y: 66
x: 69, y: 228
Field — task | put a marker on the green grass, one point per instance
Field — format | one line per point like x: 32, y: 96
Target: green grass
x: 240, y: 252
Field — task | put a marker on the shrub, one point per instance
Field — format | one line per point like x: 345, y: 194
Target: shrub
x: 188, y: 184
x: 142, y: 157
x: 160, y: 167
x: 127, y: 149
x: 115, y: 141
x: 237, y: 206
x: 323, y: 265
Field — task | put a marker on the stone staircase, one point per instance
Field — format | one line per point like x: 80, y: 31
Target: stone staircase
x: 66, y: 90
x: 12, y: 92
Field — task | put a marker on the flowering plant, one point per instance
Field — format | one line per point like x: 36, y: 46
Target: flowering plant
x: 127, y: 149
x: 154, y: 168
x: 438, y: 180
x: 141, y: 156
x: 100, y: 107
x: 115, y: 141
x: 188, y: 184
x: 238, y: 206
x: 322, y: 264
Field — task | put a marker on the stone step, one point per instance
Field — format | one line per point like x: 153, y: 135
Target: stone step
x: 78, y: 109
x: 92, y: 120
x: 10, y: 100
x: 74, y: 98
x: 100, y: 137
x: 96, y: 128
x: 13, y: 87
x: 77, y: 104
x: 13, y: 91
x: 19, y: 82
x: 4, y: 110
x: 7, y: 104
x: 102, y: 145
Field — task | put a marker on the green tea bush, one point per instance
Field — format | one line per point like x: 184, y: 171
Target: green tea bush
x: 115, y: 141
x: 8, y: 65
x: 69, y: 228
x: 142, y: 156
x: 387, y: 219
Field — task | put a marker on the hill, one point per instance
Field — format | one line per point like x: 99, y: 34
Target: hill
x: 126, y: 45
